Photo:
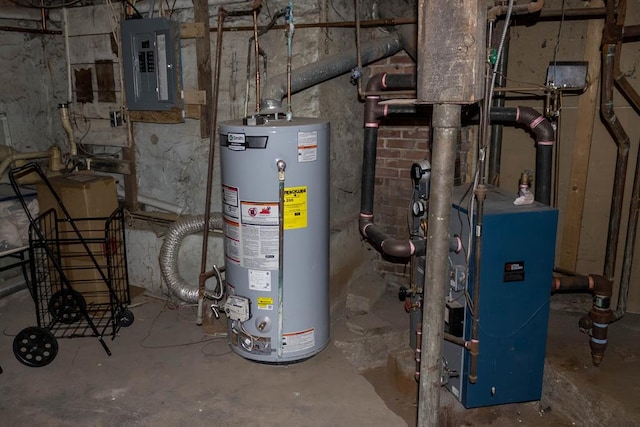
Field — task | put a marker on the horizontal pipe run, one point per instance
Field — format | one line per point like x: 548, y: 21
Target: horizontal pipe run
x: 325, y: 69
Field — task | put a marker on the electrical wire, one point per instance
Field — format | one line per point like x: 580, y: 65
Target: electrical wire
x: 170, y: 306
x: 503, y: 37
x: 557, y: 46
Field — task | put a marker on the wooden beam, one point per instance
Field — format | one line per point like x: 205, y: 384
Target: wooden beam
x: 172, y: 116
x: 203, y: 59
x: 197, y: 97
x: 131, y: 180
x: 192, y: 30
x: 192, y: 111
x: 587, y: 114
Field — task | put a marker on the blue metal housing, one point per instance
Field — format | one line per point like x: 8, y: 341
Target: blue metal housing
x: 518, y: 246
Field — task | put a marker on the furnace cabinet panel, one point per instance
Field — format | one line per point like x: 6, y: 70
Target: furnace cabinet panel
x: 518, y: 245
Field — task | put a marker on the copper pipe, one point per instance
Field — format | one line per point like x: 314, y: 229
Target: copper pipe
x: 222, y: 14
x: 257, y: 58
x: 345, y: 24
x: 43, y: 15
x: 533, y: 7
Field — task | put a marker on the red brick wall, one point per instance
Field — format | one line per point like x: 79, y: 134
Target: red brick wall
x: 401, y: 142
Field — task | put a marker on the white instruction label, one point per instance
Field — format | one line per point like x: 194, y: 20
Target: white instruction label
x: 230, y: 201
x: 260, y: 247
x: 307, y: 146
x: 232, y: 241
x: 260, y: 280
x: 298, y: 341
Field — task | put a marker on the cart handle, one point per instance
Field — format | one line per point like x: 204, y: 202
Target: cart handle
x: 20, y: 171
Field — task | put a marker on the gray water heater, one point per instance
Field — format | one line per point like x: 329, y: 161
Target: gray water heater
x: 275, y: 203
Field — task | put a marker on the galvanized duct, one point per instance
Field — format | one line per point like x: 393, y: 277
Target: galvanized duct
x: 169, y: 254
x: 327, y: 68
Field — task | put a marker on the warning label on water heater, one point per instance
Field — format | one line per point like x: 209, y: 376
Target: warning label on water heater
x: 259, y: 235
x: 307, y: 146
x: 295, y: 208
x: 298, y: 341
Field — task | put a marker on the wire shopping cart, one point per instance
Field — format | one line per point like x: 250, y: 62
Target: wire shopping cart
x: 79, y: 280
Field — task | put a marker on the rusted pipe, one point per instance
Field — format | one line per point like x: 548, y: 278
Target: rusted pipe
x: 202, y: 278
x: 621, y: 139
x: 599, y: 317
x: 518, y: 9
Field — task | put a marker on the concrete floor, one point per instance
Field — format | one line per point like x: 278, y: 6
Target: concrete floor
x: 165, y: 371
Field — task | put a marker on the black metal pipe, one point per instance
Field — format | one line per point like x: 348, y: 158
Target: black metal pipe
x: 368, y: 170
x: 400, y: 248
x: 545, y: 137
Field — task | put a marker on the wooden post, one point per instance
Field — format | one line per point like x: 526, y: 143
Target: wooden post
x: 587, y: 113
x: 203, y: 58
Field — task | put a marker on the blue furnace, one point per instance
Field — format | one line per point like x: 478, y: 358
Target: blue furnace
x: 518, y: 246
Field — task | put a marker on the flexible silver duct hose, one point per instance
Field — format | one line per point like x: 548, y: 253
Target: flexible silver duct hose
x: 169, y: 253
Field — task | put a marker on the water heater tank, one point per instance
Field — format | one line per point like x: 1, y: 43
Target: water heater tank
x: 276, y: 234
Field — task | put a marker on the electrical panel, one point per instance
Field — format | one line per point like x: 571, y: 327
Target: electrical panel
x: 150, y: 60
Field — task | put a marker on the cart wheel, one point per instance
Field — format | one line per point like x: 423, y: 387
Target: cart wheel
x: 125, y: 317
x: 35, y: 346
x: 67, y: 306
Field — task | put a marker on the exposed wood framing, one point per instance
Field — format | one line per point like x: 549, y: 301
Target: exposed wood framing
x: 587, y: 114
x: 203, y: 59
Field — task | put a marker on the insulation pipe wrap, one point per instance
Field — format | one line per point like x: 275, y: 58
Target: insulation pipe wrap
x: 545, y: 138
x: 374, y: 111
x: 169, y: 254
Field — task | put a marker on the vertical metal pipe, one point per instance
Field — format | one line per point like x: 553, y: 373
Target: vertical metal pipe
x: 222, y: 14
x: 446, y: 129
x: 495, y: 144
x: 257, y: 58
x: 621, y: 139
x: 281, y: 166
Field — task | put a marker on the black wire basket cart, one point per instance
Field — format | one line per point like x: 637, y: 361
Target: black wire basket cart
x: 79, y: 281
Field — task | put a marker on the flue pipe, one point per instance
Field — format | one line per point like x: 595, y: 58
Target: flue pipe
x: 325, y: 69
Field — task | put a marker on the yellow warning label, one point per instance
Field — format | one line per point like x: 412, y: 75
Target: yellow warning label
x: 295, y: 207
x: 265, y: 303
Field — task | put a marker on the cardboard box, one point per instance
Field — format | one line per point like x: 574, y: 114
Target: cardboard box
x: 84, y: 195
